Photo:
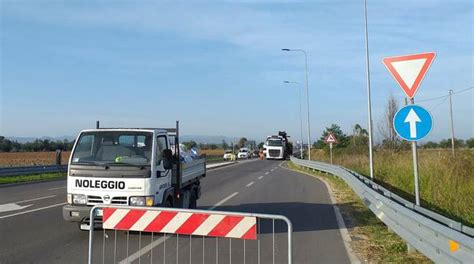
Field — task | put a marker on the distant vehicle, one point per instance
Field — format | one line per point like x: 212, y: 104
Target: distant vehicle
x: 228, y: 154
x: 277, y: 146
x: 244, y: 153
x: 255, y: 154
x: 130, y: 166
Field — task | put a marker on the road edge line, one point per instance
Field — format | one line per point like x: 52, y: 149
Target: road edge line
x: 346, y: 238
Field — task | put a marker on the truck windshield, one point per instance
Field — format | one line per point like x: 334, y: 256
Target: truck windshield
x: 274, y: 143
x: 119, y: 148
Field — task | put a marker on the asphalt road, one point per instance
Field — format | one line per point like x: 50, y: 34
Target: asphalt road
x: 32, y: 229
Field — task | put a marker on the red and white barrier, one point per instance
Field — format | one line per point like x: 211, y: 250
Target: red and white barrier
x: 187, y: 223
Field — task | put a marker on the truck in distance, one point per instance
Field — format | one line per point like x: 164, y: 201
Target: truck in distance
x: 277, y: 146
x: 130, y: 166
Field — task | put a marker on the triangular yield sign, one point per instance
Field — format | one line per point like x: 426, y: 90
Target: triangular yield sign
x: 409, y: 70
x: 330, y: 139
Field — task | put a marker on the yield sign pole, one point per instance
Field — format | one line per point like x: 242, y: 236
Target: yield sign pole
x: 409, y: 71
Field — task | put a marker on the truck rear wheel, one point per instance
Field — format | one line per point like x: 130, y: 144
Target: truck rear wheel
x: 168, y: 203
x: 192, y: 200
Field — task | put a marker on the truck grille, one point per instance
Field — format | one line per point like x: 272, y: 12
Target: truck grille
x: 92, y: 199
x: 274, y: 153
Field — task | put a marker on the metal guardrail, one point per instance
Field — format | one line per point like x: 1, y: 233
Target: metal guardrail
x: 15, y: 171
x: 441, y: 239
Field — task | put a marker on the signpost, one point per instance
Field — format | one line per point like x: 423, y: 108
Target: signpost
x: 412, y: 122
x: 330, y: 139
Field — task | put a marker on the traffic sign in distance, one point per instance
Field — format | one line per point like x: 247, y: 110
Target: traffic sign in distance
x: 412, y: 122
x: 330, y: 138
x: 409, y: 70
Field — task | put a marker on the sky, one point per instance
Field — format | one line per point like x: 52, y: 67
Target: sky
x: 217, y: 66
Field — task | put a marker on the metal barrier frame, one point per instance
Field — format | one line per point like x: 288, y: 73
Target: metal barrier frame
x: 92, y: 216
x: 439, y: 238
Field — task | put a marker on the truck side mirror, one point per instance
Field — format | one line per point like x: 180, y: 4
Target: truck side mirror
x: 167, y: 159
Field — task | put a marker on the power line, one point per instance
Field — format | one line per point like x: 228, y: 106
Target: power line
x: 446, y: 96
x: 432, y: 109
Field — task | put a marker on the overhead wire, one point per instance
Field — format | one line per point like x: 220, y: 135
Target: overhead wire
x: 445, y: 96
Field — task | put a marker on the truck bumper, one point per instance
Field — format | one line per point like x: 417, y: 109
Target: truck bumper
x: 74, y: 213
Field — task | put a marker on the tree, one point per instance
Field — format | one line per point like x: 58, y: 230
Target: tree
x: 446, y: 143
x: 470, y: 142
x: 342, y: 139
x: 260, y: 145
x: 225, y: 145
x: 190, y: 144
x: 241, y: 143
x: 386, y: 129
x: 430, y: 145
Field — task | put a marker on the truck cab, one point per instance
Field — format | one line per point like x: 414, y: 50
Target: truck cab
x: 130, y: 166
x: 275, y: 147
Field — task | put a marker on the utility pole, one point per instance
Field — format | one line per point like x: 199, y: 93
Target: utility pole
x: 452, y: 122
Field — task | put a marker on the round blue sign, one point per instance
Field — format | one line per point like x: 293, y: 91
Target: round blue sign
x: 412, y: 122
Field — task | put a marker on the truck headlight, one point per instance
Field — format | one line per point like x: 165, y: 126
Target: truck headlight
x: 79, y: 199
x: 142, y: 200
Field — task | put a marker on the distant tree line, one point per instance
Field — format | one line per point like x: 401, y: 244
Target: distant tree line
x: 7, y: 145
x: 224, y: 145
x: 359, y: 140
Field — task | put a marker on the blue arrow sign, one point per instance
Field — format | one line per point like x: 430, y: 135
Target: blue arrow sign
x: 412, y: 122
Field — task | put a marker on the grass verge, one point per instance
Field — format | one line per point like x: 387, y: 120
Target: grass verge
x: 446, y: 182
x: 372, y: 242
x: 31, y: 178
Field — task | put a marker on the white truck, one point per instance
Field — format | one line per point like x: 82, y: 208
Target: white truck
x: 275, y: 147
x: 130, y: 166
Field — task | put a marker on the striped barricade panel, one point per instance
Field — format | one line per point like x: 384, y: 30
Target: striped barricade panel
x: 183, y: 223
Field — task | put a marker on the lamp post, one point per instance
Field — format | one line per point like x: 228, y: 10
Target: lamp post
x: 307, y: 95
x: 369, y: 100
x: 301, y: 116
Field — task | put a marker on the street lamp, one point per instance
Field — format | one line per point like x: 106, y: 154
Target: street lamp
x: 301, y: 116
x: 307, y: 95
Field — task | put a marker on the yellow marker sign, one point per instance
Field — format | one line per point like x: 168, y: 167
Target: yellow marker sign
x: 453, y: 245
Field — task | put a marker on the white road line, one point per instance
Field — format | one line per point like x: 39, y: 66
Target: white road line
x: 266, y: 173
x: 33, y: 210
x: 250, y: 184
x: 260, y: 177
x: 144, y: 250
x: 223, y: 201
x: 36, y: 199
x: 57, y: 188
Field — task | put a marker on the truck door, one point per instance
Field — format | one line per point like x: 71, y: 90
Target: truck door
x: 161, y: 144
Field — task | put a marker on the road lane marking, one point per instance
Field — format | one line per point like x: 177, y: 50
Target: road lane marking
x: 223, y: 201
x: 144, y: 250
x: 250, y: 184
x: 260, y: 177
x: 36, y: 199
x: 57, y: 188
x: 33, y: 210
x: 12, y: 207
x: 266, y: 173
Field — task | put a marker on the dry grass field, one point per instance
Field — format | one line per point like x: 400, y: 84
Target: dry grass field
x: 212, y: 152
x: 10, y: 159
x: 446, y: 182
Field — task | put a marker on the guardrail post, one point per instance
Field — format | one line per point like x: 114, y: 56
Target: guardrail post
x: 410, y: 248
